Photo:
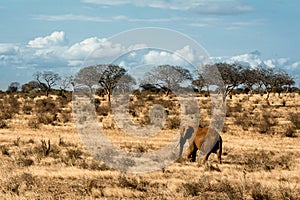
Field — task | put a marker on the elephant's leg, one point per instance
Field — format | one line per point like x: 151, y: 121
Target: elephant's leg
x: 190, y: 152
x: 194, y: 154
x: 205, y: 158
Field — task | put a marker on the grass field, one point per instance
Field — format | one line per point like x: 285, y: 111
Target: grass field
x: 260, y: 152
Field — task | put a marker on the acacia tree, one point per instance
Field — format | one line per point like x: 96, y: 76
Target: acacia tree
x: 272, y: 79
x: 109, y: 78
x: 200, y: 83
x: 231, y: 75
x: 167, y: 77
x: 30, y: 86
x: 47, y: 79
x: 13, y: 87
x: 65, y: 83
x: 125, y: 84
x: 250, y: 77
x: 282, y: 79
x: 88, y: 76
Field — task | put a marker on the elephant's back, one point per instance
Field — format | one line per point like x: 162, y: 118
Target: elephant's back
x: 200, y: 136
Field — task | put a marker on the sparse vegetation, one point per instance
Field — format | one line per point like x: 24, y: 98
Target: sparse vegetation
x: 42, y: 157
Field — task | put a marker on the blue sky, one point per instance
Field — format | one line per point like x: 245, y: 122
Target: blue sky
x: 59, y: 35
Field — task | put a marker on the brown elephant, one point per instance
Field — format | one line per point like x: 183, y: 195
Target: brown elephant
x: 206, y: 143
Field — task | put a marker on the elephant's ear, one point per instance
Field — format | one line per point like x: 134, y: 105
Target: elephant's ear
x: 189, y: 132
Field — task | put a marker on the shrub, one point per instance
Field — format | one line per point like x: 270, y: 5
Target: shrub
x: 103, y: 110
x: 33, y: 123
x: 17, y: 183
x: 27, y: 109
x: 258, y: 192
x: 243, y: 120
x: 46, y: 118
x: 295, y: 119
x: 172, y: 123
x: 190, y: 189
x: 4, y: 150
x: 289, y: 131
x: 46, y: 106
x: 265, y: 122
x: 3, y: 124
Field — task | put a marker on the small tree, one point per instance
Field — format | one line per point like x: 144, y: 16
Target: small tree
x: 88, y: 76
x: 65, y: 83
x: 167, y: 77
x: 126, y: 83
x: 50, y: 79
x: 13, y: 87
x: 31, y: 86
x: 231, y: 75
x: 250, y: 77
x: 200, y: 83
x: 109, y: 78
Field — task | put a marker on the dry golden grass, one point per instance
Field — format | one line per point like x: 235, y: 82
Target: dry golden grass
x: 260, y: 160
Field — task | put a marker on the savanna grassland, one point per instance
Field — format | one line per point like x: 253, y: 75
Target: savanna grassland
x: 42, y: 156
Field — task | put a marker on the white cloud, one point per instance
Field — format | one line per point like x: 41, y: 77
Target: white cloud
x: 57, y: 38
x: 162, y: 57
x: 282, y: 61
x: 253, y: 59
x: 85, y: 18
x: 8, y: 49
x: 187, y: 53
x: 214, y: 7
x: 294, y: 66
x: 270, y: 63
x: 70, y: 17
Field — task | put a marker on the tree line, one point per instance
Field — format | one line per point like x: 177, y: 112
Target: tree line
x: 109, y: 77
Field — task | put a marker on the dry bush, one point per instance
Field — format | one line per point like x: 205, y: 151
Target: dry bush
x: 286, y: 192
x: 4, y: 150
x: 295, y: 119
x: 62, y: 102
x: 33, y: 123
x: 64, y: 117
x: 9, y: 106
x: 232, y: 190
x: 231, y: 110
x: 28, y: 106
x: 265, y: 122
x: 244, y: 120
x: 46, y: 111
x: 21, y: 183
x: 24, y: 162
x: 267, y: 161
x: 189, y: 189
x: 259, y: 192
x: 289, y: 131
x: 103, y: 110
x: 3, y: 123
x: 172, y: 122
x: 46, y: 106
x: 195, y: 188
x: 46, y: 118
x: 74, y: 153
x: 17, y: 141
x: 14, y: 105
x: 133, y: 182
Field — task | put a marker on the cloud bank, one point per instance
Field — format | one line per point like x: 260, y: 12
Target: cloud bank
x: 54, y: 52
x: 213, y: 7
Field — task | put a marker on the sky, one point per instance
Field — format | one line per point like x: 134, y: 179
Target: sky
x: 60, y: 35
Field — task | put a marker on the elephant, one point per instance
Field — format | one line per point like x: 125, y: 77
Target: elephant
x: 206, y: 143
